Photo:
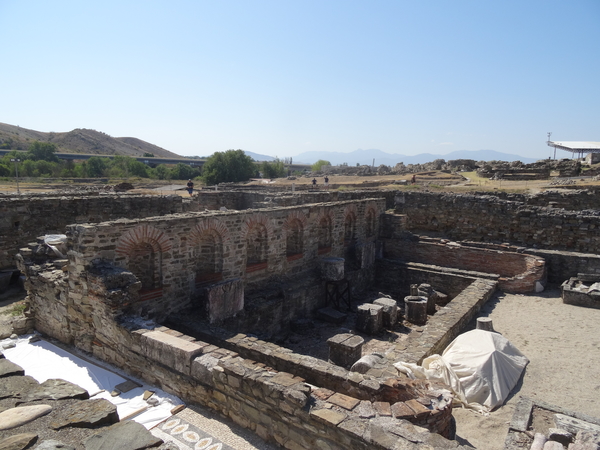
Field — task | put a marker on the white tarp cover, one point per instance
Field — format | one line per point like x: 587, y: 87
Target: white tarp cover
x: 43, y: 361
x: 481, y: 367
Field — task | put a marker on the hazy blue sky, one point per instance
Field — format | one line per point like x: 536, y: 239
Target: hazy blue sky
x: 283, y: 77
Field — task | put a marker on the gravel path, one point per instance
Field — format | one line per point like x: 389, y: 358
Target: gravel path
x: 563, y: 345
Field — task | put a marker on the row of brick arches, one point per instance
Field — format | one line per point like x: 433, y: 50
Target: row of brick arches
x: 141, y: 249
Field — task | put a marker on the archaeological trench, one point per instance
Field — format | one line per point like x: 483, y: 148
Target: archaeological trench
x: 197, y: 296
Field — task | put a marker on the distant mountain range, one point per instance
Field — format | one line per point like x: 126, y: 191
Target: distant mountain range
x: 81, y: 140
x: 366, y: 157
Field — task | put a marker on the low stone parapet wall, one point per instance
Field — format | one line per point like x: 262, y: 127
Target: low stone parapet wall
x: 280, y: 406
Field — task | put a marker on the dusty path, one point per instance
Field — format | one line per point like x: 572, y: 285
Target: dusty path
x: 563, y: 345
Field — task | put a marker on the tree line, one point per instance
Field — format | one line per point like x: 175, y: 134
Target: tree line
x: 40, y: 160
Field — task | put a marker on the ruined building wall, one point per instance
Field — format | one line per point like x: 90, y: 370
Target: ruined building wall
x: 490, y: 219
x: 516, y: 272
x: 268, y: 402
x: 22, y: 219
x: 238, y: 200
x: 92, y: 301
x: 174, y: 256
x: 576, y: 200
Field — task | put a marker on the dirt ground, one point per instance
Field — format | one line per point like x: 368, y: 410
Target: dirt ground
x: 563, y: 346
x: 433, y: 180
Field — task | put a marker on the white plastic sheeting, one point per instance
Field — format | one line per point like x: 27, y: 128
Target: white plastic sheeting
x: 43, y: 361
x: 481, y: 367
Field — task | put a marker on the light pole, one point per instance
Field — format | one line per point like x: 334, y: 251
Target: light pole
x: 16, y: 160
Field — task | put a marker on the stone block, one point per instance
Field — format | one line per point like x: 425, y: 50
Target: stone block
x: 170, y: 351
x: 366, y: 363
x: 344, y: 401
x: 390, y: 311
x: 401, y: 410
x: 383, y: 408
x: 369, y: 318
x: 416, y: 309
x: 332, y: 269
x: 345, y: 349
x: 425, y: 290
x: 225, y: 299
x: 331, y: 315
x: 328, y: 416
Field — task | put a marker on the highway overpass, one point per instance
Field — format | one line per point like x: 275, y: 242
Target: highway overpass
x: 152, y: 162
x: 145, y: 159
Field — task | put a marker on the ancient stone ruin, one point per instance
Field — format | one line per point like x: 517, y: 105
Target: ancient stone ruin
x: 197, y: 296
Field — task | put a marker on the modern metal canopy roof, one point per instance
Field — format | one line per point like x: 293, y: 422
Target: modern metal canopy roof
x: 576, y: 146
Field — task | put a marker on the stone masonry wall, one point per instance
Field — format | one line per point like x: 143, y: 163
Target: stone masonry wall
x: 575, y: 200
x: 239, y: 200
x: 490, y: 219
x: 448, y: 322
x: 518, y: 272
x: 278, y: 405
x: 23, y: 219
x: 164, y: 252
x: 395, y: 278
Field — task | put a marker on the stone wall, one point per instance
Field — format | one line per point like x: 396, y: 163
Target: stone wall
x: 239, y: 200
x: 176, y: 257
x: 23, y: 219
x: 571, y: 200
x: 395, y: 278
x: 517, y: 272
x: 490, y: 219
x: 277, y: 405
x: 564, y: 265
x: 449, y: 321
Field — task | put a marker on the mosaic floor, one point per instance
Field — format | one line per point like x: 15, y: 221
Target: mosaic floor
x: 187, y: 436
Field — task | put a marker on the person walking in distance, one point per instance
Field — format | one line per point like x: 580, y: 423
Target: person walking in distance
x: 326, y: 181
x: 190, y: 187
x: 314, y: 182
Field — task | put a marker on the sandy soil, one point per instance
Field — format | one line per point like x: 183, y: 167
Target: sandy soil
x: 563, y: 346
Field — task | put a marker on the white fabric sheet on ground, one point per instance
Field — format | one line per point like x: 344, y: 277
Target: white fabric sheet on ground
x: 481, y: 367
x: 43, y: 361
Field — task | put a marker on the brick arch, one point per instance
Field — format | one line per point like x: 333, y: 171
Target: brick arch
x: 324, y: 214
x: 256, y: 231
x: 371, y: 220
x: 351, y: 209
x: 143, y: 234
x: 143, y: 246
x: 295, y: 215
x: 210, y: 225
x: 323, y: 230
x: 350, y: 224
x: 371, y: 207
x: 257, y: 219
x: 294, y: 227
x: 207, y: 239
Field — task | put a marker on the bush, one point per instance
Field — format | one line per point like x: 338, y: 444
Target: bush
x: 316, y: 167
x: 229, y: 166
x: 275, y: 169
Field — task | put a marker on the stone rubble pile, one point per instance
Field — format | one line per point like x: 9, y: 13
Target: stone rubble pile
x: 571, y: 438
x: 57, y: 414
